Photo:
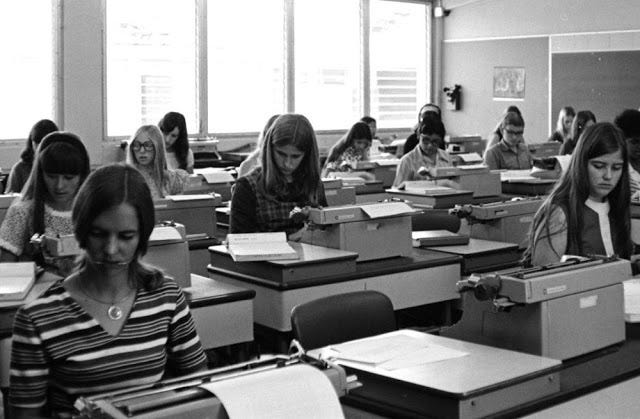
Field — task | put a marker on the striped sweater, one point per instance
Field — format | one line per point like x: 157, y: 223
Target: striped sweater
x: 60, y: 352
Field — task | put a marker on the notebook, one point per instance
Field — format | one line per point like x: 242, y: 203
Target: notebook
x: 260, y: 246
x: 428, y: 238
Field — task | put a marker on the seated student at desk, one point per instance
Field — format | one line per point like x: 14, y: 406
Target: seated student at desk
x: 289, y: 177
x: 253, y: 159
x: 582, y: 120
x: 176, y: 140
x: 349, y: 150
x: 61, y: 165
x: 21, y: 170
x: 428, y: 110
x: 511, y: 152
x: 428, y: 153
x: 145, y: 151
x: 114, y: 322
x: 496, y: 135
x: 586, y: 214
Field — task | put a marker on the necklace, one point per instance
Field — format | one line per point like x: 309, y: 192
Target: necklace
x: 114, y: 312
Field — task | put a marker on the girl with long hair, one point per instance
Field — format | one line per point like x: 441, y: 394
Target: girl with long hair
x: 288, y: 177
x: 176, y: 140
x: 348, y: 150
x: 587, y: 213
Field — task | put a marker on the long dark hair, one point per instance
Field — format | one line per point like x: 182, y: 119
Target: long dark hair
x: 39, y: 130
x: 108, y: 187
x: 579, y: 123
x: 295, y: 130
x: 181, y: 146
x: 60, y: 153
x: 572, y: 191
x: 358, y: 131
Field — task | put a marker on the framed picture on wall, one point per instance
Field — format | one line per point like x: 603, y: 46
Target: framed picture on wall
x: 508, y: 82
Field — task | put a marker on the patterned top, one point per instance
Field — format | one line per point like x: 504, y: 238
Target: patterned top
x: 414, y: 160
x: 174, y: 182
x: 17, y: 227
x: 346, y: 162
x: 502, y: 156
x: 252, y: 211
x: 60, y: 352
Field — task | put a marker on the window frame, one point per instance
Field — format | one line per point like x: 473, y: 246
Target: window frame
x: 288, y: 6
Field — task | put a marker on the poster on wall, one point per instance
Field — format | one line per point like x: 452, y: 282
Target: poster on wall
x: 508, y: 83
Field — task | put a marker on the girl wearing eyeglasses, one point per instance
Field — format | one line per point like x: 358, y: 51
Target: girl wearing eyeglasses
x: 146, y: 152
x: 587, y: 213
x: 288, y: 177
x: 427, y: 155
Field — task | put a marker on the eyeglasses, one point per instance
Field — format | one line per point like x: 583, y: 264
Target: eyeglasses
x: 514, y: 133
x: 147, y: 145
x: 430, y: 139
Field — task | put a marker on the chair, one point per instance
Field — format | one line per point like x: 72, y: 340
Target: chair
x: 436, y: 219
x: 342, y: 317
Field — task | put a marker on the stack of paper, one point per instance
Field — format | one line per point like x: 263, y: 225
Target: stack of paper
x: 215, y: 175
x: 16, y: 280
x: 428, y: 238
x: 260, y: 246
x: 391, y: 352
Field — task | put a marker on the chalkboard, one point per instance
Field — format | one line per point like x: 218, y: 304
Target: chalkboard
x: 603, y: 82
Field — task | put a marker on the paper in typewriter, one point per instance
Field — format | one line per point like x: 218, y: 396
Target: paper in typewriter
x: 298, y: 391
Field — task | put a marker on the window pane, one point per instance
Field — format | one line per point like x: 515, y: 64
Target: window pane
x: 398, y: 62
x: 26, y: 78
x: 327, y: 62
x: 245, y: 63
x: 151, y: 63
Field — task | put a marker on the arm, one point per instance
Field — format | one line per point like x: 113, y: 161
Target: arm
x: 548, y: 246
x: 176, y: 180
x: 191, y: 161
x: 14, y: 232
x: 29, y: 378
x: 242, y: 218
x: 403, y: 173
x: 184, y: 349
x: 492, y: 159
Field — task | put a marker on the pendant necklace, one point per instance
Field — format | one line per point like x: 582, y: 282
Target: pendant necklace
x: 114, y: 312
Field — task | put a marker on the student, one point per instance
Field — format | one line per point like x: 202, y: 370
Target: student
x: 582, y: 120
x: 428, y: 153
x: 429, y: 110
x: 496, y: 135
x: 20, y: 171
x: 61, y: 165
x: 288, y: 177
x: 145, y: 151
x: 373, y: 125
x: 253, y: 159
x: 511, y: 152
x: 114, y: 322
x: 176, y: 140
x: 563, y: 126
x: 577, y: 218
x: 348, y: 150
x: 629, y: 122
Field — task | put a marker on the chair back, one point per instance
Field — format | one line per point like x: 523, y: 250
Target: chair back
x: 342, y: 317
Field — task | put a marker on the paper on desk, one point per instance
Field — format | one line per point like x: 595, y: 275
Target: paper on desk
x: 162, y: 233
x: 215, y: 175
x: 392, y: 352
x: 299, y: 391
x: 193, y: 197
x: 387, y: 209
x: 563, y: 161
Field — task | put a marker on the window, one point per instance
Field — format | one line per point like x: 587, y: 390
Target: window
x: 150, y: 63
x: 229, y: 65
x: 27, y: 76
x: 327, y: 62
x: 398, y: 62
x: 245, y: 51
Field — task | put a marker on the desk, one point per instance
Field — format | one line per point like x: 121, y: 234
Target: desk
x: 425, y: 278
x: 581, y: 376
x: 223, y: 313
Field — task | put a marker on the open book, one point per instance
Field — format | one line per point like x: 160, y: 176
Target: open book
x: 16, y: 280
x: 260, y: 246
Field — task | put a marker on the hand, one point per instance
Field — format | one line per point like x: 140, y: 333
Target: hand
x: 297, y: 236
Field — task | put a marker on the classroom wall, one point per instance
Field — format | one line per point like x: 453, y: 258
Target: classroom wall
x: 479, y: 35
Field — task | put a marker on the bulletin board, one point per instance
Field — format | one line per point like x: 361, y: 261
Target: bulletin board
x: 602, y: 82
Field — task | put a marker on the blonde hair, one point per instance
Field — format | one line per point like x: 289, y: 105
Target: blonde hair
x: 153, y: 133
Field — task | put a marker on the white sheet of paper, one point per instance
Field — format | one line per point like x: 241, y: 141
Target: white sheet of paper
x: 299, y: 391
x: 563, y: 161
x: 387, y: 209
x: 470, y: 157
x: 165, y: 233
x: 432, y: 353
x: 215, y: 175
x: 178, y: 198
x: 376, y: 350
